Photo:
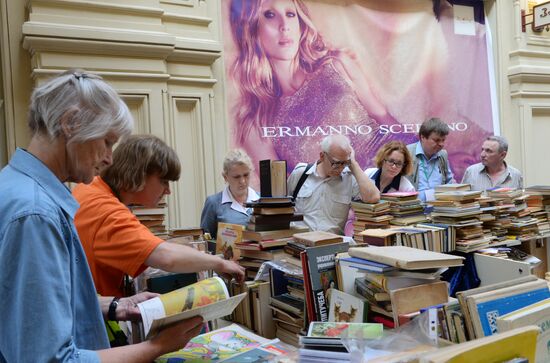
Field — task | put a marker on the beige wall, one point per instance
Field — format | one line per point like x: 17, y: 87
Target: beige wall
x: 164, y: 57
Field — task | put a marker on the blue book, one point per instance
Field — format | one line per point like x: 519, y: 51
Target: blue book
x: 367, y: 265
x: 488, y: 311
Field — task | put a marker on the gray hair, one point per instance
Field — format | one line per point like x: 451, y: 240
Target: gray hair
x: 502, y: 143
x: 92, y: 107
x: 335, y: 140
x: 236, y: 157
x: 433, y: 124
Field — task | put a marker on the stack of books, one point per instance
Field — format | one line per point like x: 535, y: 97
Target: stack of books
x: 395, y: 280
x: 272, y: 213
x: 328, y: 336
x: 268, y: 232
x: 495, y: 217
x: 522, y: 224
x: 189, y: 234
x: 461, y: 210
x: 367, y: 216
x: 259, y: 247
x: 152, y: 218
x: 406, y: 208
x: 539, y: 208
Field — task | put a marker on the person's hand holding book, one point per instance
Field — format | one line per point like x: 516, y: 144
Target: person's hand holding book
x: 127, y: 308
x: 230, y: 269
x: 176, y: 336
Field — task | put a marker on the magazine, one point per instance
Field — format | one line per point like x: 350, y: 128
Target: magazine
x: 216, y: 346
x: 208, y: 298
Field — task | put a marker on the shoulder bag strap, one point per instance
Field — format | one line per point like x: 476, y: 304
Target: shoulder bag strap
x: 301, y: 181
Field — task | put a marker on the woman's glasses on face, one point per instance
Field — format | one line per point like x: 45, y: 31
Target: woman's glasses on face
x: 336, y: 164
x: 395, y: 163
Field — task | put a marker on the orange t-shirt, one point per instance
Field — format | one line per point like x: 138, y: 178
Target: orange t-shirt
x: 114, y: 240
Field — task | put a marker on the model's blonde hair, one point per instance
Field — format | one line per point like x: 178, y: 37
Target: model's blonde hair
x: 138, y: 157
x: 258, y: 86
x: 390, y: 147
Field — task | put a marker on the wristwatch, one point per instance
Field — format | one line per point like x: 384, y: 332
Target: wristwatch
x: 111, y: 314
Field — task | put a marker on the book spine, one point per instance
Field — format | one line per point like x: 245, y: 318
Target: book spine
x: 265, y: 178
x: 310, y: 312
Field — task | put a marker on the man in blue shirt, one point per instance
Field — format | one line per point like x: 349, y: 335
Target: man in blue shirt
x: 50, y: 311
x: 430, y: 160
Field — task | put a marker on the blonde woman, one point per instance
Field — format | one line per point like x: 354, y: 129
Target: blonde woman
x: 294, y: 89
x: 229, y: 205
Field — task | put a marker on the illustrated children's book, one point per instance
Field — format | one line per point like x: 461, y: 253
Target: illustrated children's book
x: 215, y: 346
x: 228, y: 235
x: 208, y: 298
x: 331, y: 334
x: 347, y: 308
x: 264, y: 353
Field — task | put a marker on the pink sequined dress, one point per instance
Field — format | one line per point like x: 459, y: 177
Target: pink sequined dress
x: 325, y: 104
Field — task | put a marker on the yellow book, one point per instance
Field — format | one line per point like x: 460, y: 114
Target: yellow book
x: 501, y: 347
x: 228, y: 235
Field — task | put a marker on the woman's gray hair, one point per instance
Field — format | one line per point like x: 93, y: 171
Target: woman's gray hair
x: 236, y: 157
x: 92, y: 108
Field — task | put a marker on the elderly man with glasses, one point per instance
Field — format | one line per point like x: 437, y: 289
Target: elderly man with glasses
x: 323, y: 190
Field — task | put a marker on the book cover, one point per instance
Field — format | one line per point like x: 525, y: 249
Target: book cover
x: 228, y: 235
x: 406, y: 257
x: 366, y: 265
x: 487, y: 307
x: 347, y: 308
x: 216, y: 345
x: 536, y: 314
x: 273, y: 178
x: 502, y: 347
x: 317, y: 238
x: 332, y: 330
x: 208, y: 298
x: 463, y: 295
x: 322, y: 275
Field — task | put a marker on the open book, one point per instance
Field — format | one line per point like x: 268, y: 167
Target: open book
x: 208, y: 298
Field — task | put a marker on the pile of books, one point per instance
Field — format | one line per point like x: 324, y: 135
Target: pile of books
x: 152, y: 218
x: 328, y: 336
x: 268, y: 232
x: 395, y: 280
x: 406, y: 208
x: 299, y: 298
x: 538, y: 203
x: 461, y: 210
x: 367, y: 216
x: 522, y: 224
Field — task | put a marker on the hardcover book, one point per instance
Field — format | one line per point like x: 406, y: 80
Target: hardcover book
x: 406, y: 257
x: 322, y: 275
x: 536, y: 314
x: 347, y: 308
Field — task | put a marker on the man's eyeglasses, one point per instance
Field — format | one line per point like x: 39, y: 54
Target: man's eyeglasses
x: 391, y: 162
x: 335, y: 164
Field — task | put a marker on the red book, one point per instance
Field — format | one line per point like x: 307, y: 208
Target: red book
x: 310, y: 309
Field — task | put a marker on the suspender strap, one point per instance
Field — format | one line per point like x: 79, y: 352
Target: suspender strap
x: 301, y: 181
